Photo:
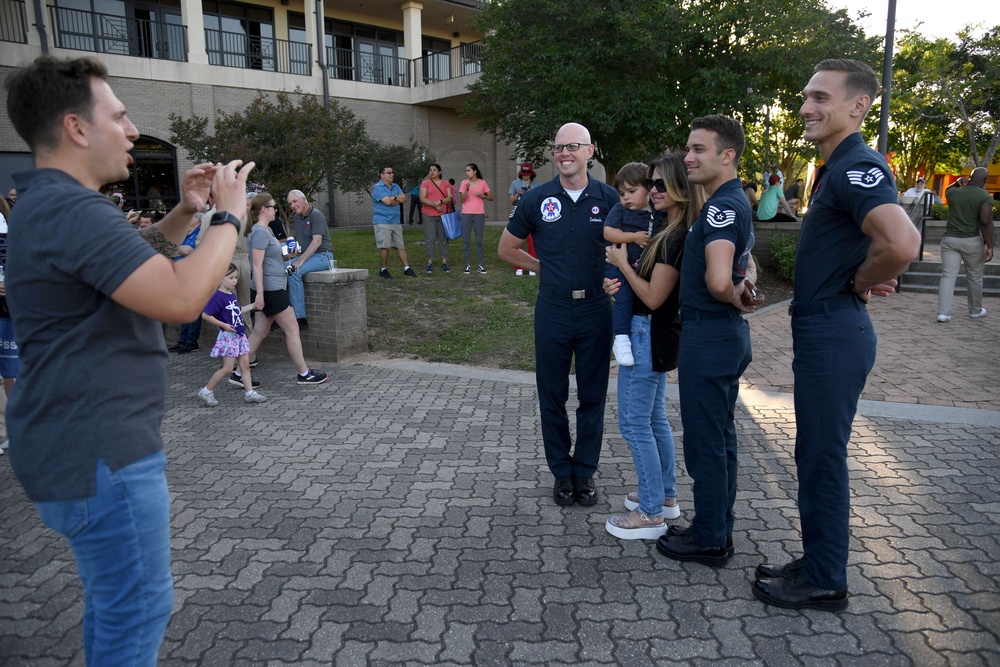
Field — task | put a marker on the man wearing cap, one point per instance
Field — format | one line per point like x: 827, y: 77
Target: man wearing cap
x: 919, y: 189
x: 572, y: 314
x: 525, y: 179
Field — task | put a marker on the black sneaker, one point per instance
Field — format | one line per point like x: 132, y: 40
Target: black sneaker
x: 254, y: 362
x: 175, y: 348
x: 187, y: 347
x: 409, y: 272
x: 481, y: 269
x: 312, y: 377
x: 468, y: 269
x: 384, y: 273
x: 237, y: 380
x: 303, y: 324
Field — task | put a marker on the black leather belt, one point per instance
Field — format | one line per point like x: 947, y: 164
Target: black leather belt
x: 825, y: 306
x: 571, y: 294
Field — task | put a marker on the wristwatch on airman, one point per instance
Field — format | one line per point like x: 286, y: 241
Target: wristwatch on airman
x: 222, y: 217
x: 855, y: 290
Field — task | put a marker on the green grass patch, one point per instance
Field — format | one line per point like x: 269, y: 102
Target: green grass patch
x: 485, y: 320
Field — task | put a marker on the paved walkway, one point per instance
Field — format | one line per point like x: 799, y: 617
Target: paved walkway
x: 400, y: 514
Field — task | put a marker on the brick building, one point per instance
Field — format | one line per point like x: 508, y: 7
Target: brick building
x: 401, y: 66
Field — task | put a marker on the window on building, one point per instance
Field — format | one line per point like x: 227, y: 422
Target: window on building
x: 238, y: 35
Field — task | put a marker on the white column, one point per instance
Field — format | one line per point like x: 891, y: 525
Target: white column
x: 412, y: 29
x: 34, y: 39
x: 192, y: 17
x: 314, y: 16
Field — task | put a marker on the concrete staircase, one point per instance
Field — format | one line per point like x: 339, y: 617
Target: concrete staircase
x: 924, y: 276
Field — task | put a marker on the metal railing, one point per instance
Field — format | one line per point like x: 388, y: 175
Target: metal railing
x: 236, y: 49
x: 462, y: 60
x: 13, y: 22
x: 354, y: 65
x: 120, y: 35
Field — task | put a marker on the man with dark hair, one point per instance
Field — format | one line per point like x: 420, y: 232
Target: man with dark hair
x: 315, y: 250
x: 716, y: 287
x: 855, y: 239
x: 87, y: 293
x: 565, y: 216
x: 11, y: 197
x: 793, y: 195
x: 386, y: 196
x: 968, y: 240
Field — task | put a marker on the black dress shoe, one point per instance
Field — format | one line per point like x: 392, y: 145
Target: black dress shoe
x: 766, y: 571
x: 584, y: 491
x: 175, y: 347
x: 562, y: 492
x: 794, y: 592
x: 678, y: 545
x: 184, y: 348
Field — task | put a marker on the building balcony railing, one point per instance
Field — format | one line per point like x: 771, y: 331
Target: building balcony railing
x: 462, y: 60
x: 235, y: 49
x: 353, y: 65
x: 13, y: 22
x: 120, y: 35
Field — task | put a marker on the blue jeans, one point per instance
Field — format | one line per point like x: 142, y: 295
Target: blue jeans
x: 190, y: 332
x: 121, y: 539
x: 833, y: 354
x: 621, y: 315
x: 642, y: 420
x: 318, y: 261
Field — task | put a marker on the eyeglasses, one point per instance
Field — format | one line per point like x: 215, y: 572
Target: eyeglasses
x: 656, y: 184
x: 268, y: 206
x: 572, y: 148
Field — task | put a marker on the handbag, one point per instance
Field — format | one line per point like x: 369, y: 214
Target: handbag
x: 452, y: 225
x: 450, y: 219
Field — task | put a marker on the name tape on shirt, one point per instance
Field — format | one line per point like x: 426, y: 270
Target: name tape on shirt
x: 866, y: 179
x: 718, y: 217
x: 551, y: 209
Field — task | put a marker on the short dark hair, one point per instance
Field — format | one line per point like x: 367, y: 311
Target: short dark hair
x: 40, y: 95
x: 633, y: 173
x: 382, y: 169
x: 860, y: 80
x: 728, y: 132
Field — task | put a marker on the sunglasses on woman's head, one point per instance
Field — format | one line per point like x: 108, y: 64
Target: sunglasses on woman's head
x: 656, y: 184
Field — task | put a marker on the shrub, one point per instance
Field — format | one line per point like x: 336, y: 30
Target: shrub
x: 996, y: 210
x: 939, y: 212
x: 782, y: 250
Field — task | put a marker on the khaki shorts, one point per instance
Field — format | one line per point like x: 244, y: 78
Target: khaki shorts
x: 388, y: 236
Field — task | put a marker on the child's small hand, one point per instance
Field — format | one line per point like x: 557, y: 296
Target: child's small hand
x: 228, y: 327
x: 641, y: 239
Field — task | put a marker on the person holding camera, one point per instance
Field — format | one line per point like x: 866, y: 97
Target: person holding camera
x: 525, y: 179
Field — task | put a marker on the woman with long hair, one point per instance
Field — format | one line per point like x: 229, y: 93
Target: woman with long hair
x: 269, y: 288
x: 437, y: 197
x: 474, y: 192
x: 654, y: 335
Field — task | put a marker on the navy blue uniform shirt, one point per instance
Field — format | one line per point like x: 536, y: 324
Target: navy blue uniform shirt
x: 832, y: 246
x: 568, y: 235
x: 726, y: 215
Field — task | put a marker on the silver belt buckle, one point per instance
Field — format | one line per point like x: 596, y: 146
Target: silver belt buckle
x: 579, y: 294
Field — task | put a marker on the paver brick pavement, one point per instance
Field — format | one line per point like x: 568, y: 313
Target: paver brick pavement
x: 401, y: 514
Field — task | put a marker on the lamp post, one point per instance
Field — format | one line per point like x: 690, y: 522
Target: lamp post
x: 883, y: 125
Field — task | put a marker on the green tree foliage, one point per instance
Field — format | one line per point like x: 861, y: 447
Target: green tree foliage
x: 960, y: 82
x: 295, y: 143
x: 921, y: 139
x: 637, y: 71
x: 409, y: 167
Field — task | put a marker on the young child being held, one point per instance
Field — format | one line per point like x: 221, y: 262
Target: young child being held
x: 634, y: 222
x: 224, y: 311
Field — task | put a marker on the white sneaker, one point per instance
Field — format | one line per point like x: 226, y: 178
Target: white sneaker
x: 519, y: 272
x: 944, y: 318
x: 623, y: 351
x: 669, y: 511
x: 979, y: 315
x: 532, y: 273
x: 253, y: 397
x: 208, y: 397
x: 635, y: 526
